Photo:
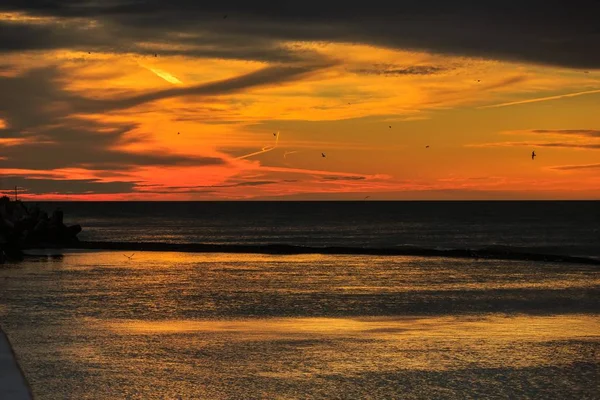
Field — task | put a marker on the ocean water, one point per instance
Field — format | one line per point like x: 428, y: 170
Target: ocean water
x: 553, y: 227
x: 98, y: 325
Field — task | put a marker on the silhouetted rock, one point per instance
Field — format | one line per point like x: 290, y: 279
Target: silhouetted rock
x: 21, y: 228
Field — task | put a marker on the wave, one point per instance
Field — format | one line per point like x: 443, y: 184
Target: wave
x: 495, y: 252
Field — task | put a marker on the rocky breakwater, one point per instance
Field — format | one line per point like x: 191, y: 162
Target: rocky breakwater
x: 23, y: 227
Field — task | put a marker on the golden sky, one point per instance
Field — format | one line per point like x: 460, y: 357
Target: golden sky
x: 186, y: 114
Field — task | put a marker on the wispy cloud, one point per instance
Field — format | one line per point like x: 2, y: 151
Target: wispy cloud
x: 576, y: 167
x: 569, y: 132
x: 585, y: 146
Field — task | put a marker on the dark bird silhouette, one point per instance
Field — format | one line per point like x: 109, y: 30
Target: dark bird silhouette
x: 129, y: 257
x: 366, y: 197
x: 274, y: 134
x: 478, y: 80
x: 322, y: 154
x: 533, y: 155
x: 178, y: 133
x: 155, y: 55
x: 427, y: 146
x: 390, y: 127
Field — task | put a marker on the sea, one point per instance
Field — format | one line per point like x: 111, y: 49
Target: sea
x: 172, y: 325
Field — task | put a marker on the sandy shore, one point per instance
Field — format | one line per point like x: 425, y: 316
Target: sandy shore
x: 13, y: 385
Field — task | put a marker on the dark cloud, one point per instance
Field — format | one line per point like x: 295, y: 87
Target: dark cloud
x: 42, y: 113
x: 395, y: 70
x: 572, y: 132
x: 546, y: 32
x: 343, y: 178
x: 576, y: 167
x: 66, y: 186
x: 195, y: 187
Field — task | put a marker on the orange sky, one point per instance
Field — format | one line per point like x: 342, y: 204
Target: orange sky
x: 119, y: 125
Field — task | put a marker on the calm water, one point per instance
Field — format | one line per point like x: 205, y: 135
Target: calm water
x: 225, y: 326
x: 568, y: 228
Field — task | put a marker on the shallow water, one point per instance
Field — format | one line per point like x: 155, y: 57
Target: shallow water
x: 229, y: 326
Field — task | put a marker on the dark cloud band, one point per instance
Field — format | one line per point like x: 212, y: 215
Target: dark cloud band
x: 546, y: 32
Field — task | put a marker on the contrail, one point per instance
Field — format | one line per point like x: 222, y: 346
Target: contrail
x: 161, y: 74
x: 287, y: 153
x: 265, y: 149
x: 560, y: 96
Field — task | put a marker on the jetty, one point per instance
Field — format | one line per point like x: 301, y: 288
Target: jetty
x: 24, y: 226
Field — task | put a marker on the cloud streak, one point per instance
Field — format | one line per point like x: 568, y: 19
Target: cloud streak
x: 569, y: 132
x: 269, y: 76
x: 395, y: 70
x: 576, y: 167
x: 583, y: 146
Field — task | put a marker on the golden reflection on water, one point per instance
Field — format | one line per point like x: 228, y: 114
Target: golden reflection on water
x: 223, y: 326
x: 309, y: 347
x: 493, y: 327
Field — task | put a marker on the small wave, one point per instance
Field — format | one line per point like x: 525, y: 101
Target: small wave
x: 496, y: 252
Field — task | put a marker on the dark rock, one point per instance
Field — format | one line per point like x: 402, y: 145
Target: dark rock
x: 73, y: 230
x: 22, y: 228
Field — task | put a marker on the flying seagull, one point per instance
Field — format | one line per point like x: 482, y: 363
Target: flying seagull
x: 322, y: 154
x: 427, y: 146
x: 533, y: 155
x: 275, y: 134
x: 129, y: 257
x: 178, y: 133
x: 390, y: 127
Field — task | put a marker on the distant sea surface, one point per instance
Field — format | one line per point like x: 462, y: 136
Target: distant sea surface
x: 553, y: 227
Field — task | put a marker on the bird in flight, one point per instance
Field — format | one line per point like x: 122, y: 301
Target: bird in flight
x: 366, y: 197
x: 322, y: 154
x: 275, y: 134
x: 155, y: 55
x: 533, y: 155
x: 178, y: 133
x: 129, y: 257
x: 427, y: 146
x: 390, y: 127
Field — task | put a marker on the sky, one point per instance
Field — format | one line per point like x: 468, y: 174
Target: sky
x: 403, y: 100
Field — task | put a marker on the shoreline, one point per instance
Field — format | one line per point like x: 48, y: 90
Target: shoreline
x: 13, y: 383
x: 282, y: 249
